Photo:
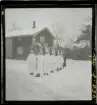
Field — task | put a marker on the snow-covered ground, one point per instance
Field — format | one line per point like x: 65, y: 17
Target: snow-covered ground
x: 72, y: 83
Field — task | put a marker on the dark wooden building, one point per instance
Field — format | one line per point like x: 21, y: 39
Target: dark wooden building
x: 18, y: 43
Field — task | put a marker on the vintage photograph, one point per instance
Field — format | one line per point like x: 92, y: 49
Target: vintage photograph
x: 96, y: 45
x: 1, y: 62
x: 48, y: 54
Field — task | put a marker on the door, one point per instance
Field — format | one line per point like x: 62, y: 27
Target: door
x: 19, y: 52
x: 42, y: 39
x: 18, y: 48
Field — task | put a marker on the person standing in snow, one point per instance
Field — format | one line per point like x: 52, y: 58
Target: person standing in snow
x: 53, y: 61
x: 33, y: 59
x: 31, y: 62
x: 36, y: 48
x: 45, y: 57
x: 64, y: 58
x: 56, y: 60
x: 46, y: 60
x: 40, y: 62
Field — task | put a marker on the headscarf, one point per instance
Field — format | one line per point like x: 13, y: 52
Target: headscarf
x: 36, y: 48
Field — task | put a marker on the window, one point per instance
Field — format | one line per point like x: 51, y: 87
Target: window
x: 20, y: 50
x: 19, y: 39
x: 42, y: 39
x: 33, y: 40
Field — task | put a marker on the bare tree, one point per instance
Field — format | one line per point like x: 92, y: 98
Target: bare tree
x: 58, y: 30
x: 15, y: 27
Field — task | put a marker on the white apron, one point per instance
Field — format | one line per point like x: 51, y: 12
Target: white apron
x: 50, y: 63
x: 46, y: 60
x: 53, y: 62
x: 31, y: 63
x: 40, y: 64
x: 59, y: 61
x: 62, y: 61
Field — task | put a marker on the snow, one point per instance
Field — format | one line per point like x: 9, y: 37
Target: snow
x: 43, y: 63
x: 72, y: 83
x: 81, y: 44
x: 29, y: 32
x: 23, y: 32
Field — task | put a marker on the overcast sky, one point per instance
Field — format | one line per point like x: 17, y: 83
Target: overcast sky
x: 71, y: 18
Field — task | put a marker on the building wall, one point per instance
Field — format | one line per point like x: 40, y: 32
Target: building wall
x: 48, y: 37
x: 20, y: 49
x: 9, y: 48
x: 25, y: 44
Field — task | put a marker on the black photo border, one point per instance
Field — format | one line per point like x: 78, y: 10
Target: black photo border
x: 44, y: 4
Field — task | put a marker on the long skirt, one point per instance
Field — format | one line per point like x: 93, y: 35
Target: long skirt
x: 31, y: 63
x: 39, y: 63
x: 57, y: 61
x: 46, y: 63
x: 50, y: 63
x: 54, y: 62
x: 60, y: 61
x: 64, y: 63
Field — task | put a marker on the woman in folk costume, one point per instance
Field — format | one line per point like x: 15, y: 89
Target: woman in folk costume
x: 40, y: 62
x: 43, y: 53
x: 49, y: 56
x: 31, y: 62
x: 46, y: 59
x: 57, y: 60
x: 64, y: 57
x: 38, y: 59
x: 49, y: 60
x: 61, y: 60
x: 53, y: 58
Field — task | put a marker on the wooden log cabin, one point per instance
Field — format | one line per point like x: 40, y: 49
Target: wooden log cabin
x: 18, y: 43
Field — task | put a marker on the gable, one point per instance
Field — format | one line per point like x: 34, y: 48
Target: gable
x: 24, y: 33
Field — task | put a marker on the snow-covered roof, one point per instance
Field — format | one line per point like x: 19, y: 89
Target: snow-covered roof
x: 82, y: 44
x: 30, y: 32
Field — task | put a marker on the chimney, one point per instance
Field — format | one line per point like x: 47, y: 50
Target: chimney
x: 34, y: 24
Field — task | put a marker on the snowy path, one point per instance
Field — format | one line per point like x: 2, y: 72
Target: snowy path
x: 72, y: 83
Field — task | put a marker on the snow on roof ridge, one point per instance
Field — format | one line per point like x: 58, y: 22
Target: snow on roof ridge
x: 24, y: 32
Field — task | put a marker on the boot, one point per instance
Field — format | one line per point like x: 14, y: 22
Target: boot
x: 64, y: 65
x: 37, y: 75
x: 52, y: 71
x: 31, y: 73
x: 57, y: 68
